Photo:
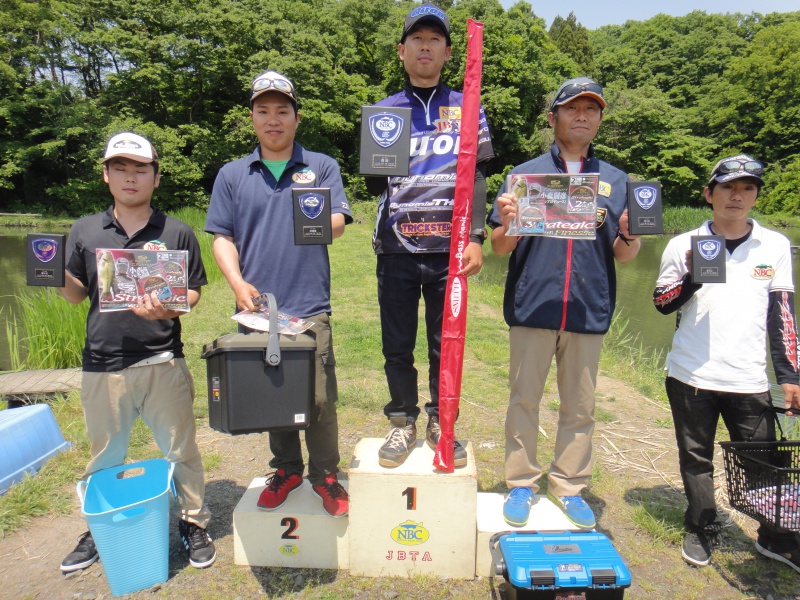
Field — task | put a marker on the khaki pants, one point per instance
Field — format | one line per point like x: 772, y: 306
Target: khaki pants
x: 162, y: 394
x: 577, y: 358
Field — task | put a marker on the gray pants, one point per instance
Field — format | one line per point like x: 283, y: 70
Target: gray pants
x: 577, y: 359
x: 162, y: 394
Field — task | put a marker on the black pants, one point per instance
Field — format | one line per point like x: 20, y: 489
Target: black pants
x: 402, y: 278
x: 696, y: 413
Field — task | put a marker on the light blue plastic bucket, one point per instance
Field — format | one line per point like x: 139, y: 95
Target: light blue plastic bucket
x: 127, y: 509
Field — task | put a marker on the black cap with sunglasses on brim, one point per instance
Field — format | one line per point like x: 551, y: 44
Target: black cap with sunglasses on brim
x: 735, y: 167
x: 575, y: 88
x: 272, y: 81
x: 427, y: 15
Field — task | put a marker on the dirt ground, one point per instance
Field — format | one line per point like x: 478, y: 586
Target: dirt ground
x: 637, y: 474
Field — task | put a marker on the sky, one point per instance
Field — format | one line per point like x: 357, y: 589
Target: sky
x: 596, y: 13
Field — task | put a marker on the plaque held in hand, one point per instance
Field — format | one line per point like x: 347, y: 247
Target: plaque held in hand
x: 385, y: 141
x: 45, y: 257
x: 708, y: 258
x: 644, y: 208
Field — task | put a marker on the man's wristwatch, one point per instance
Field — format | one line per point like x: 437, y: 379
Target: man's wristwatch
x: 478, y: 235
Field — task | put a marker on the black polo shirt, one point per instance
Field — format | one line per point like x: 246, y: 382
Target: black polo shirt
x: 117, y: 340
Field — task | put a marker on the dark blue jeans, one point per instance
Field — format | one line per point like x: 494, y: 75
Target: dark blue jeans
x: 402, y: 278
x: 696, y: 413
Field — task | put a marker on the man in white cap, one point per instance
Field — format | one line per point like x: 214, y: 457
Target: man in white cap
x: 559, y: 300
x: 251, y: 217
x: 133, y: 361
x: 718, y: 362
x: 412, y: 234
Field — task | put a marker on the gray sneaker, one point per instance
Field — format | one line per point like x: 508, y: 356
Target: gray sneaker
x: 400, y: 439
x: 432, y: 434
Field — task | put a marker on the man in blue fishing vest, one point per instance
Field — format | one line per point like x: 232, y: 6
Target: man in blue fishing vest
x: 559, y: 300
x: 412, y: 234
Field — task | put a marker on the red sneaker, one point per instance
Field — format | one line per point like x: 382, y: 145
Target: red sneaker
x: 279, y: 486
x: 333, y: 495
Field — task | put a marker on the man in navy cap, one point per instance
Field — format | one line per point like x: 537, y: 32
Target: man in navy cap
x: 412, y: 235
x: 559, y: 300
x: 718, y: 362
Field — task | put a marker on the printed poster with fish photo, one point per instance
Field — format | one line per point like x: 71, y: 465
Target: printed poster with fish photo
x: 555, y: 205
x: 125, y: 275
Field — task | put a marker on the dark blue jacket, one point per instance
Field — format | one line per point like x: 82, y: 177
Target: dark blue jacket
x: 566, y: 284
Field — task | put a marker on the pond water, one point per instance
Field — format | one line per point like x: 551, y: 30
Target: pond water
x: 634, y: 288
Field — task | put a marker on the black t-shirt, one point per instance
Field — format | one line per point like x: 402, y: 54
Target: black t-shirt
x: 117, y: 340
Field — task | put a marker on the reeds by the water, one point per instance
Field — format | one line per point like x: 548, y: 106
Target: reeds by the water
x: 48, y: 332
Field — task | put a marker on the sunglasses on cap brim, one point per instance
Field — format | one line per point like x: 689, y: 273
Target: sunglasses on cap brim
x: 276, y: 83
x: 573, y: 89
x: 751, y: 167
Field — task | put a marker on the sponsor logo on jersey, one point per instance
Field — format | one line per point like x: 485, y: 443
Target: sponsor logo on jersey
x: 304, y: 176
x: 450, y: 112
x: 448, y: 126
x: 289, y: 550
x: 410, y: 533
x: 438, y: 144
x: 763, y: 272
x: 438, y: 229
x: 155, y: 245
x: 604, y: 189
x: 601, y: 216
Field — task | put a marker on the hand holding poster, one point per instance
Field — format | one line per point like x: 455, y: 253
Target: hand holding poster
x: 125, y: 275
x: 555, y: 205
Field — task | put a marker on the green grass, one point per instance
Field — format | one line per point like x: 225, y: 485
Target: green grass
x: 48, y: 333
x: 52, y: 490
x: 625, y: 356
x: 678, y: 219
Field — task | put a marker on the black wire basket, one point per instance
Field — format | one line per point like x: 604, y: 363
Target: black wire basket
x: 764, y: 478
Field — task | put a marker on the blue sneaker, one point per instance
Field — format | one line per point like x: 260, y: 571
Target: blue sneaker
x: 575, y: 508
x: 517, y: 506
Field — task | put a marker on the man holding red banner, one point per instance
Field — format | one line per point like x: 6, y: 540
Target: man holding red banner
x: 559, y: 300
x: 412, y: 235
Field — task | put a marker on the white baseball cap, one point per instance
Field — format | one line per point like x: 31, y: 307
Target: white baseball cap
x: 130, y: 145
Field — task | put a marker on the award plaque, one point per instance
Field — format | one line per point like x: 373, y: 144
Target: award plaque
x: 312, y: 216
x: 385, y: 141
x: 45, y: 259
x: 644, y: 208
x: 708, y: 258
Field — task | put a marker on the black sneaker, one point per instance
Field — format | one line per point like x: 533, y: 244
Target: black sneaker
x: 399, y: 440
x: 85, y: 554
x: 432, y: 434
x: 696, y: 549
x: 788, y: 558
x: 198, y: 543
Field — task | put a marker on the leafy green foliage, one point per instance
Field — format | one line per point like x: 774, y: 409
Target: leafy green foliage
x: 682, y: 90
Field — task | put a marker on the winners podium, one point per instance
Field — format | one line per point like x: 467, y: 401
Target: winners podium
x: 406, y: 521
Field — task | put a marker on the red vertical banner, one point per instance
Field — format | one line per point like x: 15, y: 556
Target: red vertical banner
x: 454, y: 323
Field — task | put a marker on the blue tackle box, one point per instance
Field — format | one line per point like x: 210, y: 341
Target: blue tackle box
x: 559, y: 565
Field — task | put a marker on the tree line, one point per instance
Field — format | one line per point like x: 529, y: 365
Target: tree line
x: 681, y: 91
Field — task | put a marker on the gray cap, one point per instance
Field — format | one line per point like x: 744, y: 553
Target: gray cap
x: 575, y: 88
